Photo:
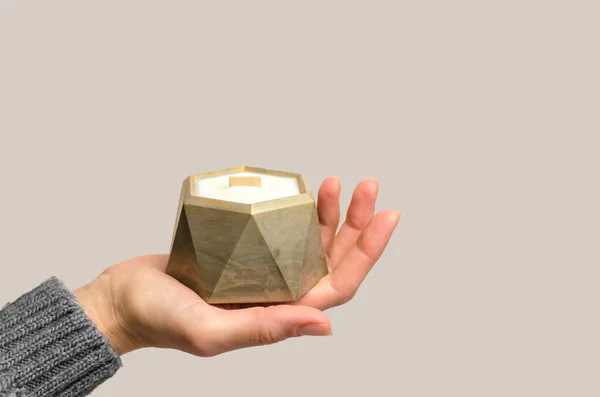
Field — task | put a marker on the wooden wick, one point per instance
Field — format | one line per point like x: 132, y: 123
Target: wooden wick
x: 245, y: 181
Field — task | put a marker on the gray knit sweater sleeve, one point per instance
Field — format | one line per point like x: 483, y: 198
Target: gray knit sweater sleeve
x: 49, y: 347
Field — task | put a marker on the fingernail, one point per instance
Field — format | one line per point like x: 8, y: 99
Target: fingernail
x: 315, y: 329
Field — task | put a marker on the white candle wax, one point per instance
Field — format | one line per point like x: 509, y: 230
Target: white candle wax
x: 272, y: 187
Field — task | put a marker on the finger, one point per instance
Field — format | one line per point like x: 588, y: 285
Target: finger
x: 354, y: 267
x: 328, y: 209
x: 322, y: 296
x: 228, y: 330
x: 360, y: 212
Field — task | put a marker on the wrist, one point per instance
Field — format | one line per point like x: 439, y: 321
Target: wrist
x: 97, y: 301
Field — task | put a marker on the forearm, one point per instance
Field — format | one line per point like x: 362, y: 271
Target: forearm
x: 49, y: 346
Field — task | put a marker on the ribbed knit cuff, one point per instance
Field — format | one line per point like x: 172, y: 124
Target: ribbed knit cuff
x: 49, y: 347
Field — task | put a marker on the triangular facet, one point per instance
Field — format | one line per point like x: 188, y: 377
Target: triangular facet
x: 315, y: 261
x: 182, y: 263
x: 251, y: 272
x: 185, y: 191
x: 288, y: 247
x: 214, y: 233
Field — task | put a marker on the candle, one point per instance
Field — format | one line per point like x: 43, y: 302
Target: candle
x: 261, y: 243
x: 247, y: 187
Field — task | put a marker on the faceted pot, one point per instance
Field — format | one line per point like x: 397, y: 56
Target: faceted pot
x: 247, y: 235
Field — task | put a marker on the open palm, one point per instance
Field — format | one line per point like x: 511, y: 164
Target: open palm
x: 137, y: 305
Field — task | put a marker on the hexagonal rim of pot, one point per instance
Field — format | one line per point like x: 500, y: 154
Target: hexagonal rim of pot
x: 304, y: 197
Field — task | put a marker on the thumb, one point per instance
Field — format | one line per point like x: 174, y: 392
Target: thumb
x: 256, y: 326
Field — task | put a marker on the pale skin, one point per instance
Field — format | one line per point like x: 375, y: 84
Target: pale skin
x: 136, y: 305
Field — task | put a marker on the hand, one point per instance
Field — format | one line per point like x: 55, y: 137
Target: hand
x: 351, y: 252
x: 136, y: 305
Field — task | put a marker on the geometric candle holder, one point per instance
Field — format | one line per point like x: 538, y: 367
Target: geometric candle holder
x: 247, y: 235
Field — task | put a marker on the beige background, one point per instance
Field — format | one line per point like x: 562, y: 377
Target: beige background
x: 480, y: 118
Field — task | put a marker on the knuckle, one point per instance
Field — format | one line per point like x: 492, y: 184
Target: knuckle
x: 346, y: 297
x: 343, y: 294
x: 264, y: 333
x: 202, y: 341
x: 204, y: 351
x: 200, y: 347
x: 268, y: 336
